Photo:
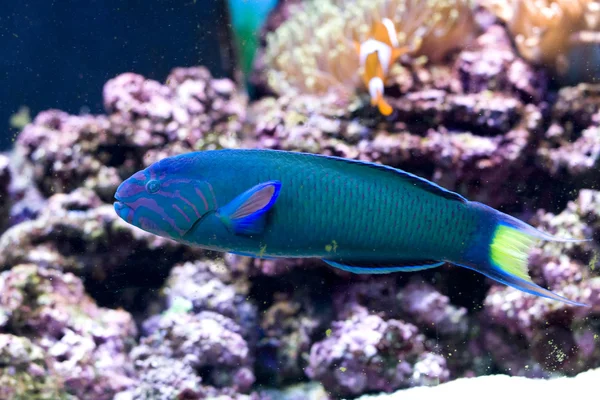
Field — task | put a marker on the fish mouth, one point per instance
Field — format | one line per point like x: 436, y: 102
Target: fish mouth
x: 117, y: 196
x: 120, y: 205
x: 123, y: 211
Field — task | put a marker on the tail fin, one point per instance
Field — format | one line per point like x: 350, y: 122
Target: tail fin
x: 384, y: 107
x: 507, y: 258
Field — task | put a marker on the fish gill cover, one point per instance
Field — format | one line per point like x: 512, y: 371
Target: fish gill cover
x: 77, y: 283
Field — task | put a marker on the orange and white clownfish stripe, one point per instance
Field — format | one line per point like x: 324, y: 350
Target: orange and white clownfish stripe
x: 376, y: 56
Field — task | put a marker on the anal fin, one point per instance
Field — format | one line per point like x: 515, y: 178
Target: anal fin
x: 245, y: 254
x: 524, y: 284
x: 379, y: 267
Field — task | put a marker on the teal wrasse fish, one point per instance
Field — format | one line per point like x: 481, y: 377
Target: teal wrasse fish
x: 357, y: 216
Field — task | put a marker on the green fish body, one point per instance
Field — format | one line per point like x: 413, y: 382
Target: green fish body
x: 357, y: 216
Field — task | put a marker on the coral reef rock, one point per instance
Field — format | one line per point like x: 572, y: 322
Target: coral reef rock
x: 193, y: 356
x: 94, y: 308
x: 290, y: 326
x: 366, y: 353
x: 25, y: 373
x: 209, y: 286
x: 432, y: 310
x: 84, y: 347
x: 475, y: 134
x: 572, y: 141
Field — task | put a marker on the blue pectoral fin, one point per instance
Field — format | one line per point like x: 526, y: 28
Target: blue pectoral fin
x: 384, y: 267
x: 246, y: 214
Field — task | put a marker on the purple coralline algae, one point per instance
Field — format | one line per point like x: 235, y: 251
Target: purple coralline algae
x: 446, y: 327
x: 20, y: 200
x: 572, y: 142
x: 203, y: 344
x: 210, y: 285
x: 366, y: 353
x: 192, y: 356
x: 77, y: 233
x: 85, y: 347
x: 430, y: 309
x: 376, y: 294
x: 417, y: 302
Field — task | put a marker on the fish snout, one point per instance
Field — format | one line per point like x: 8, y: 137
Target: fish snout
x: 120, y: 190
x: 122, y: 195
x: 123, y: 211
x: 128, y: 189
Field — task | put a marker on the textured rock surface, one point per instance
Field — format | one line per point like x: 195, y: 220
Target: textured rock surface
x: 190, y: 356
x: 209, y: 285
x: 84, y: 347
x: 290, y: 326
x: 25, y: 373
x: 366, y: 353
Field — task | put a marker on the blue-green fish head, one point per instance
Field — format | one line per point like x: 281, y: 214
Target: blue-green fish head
x: 165, y: 199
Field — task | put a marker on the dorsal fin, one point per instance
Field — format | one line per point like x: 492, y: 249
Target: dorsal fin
x: 419, y: 182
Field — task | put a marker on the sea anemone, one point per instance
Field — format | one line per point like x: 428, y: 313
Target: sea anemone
x: 314, y: 52
x: 546, y: 32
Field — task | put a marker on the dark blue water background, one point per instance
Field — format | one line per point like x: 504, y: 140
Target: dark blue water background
x: 59, y: 54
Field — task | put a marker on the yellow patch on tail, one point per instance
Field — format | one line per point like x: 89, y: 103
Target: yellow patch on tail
x: 509, y: 251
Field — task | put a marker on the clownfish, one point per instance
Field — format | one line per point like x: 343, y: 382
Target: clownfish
x: 376, y: 56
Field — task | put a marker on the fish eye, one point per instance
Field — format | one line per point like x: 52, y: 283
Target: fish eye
x: 152, y: 186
